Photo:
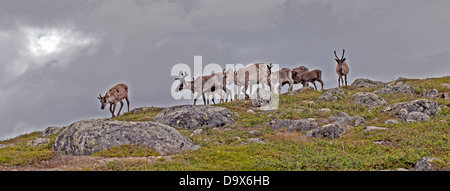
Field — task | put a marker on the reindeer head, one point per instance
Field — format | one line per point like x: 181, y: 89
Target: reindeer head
x: 103, y: 100
x: 340, y: 61
x: 182, y: 81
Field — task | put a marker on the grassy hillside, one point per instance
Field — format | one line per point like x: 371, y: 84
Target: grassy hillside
x: 230, y: 148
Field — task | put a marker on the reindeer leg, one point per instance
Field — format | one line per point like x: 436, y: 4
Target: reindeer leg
x: 345, y: 79
x: 315, y: 87
x: 203, y: 96
x: 110, y: 109
x: 114, y: 109
x: 321, y: 83
x: 196, y: 97
x: 339, y: 81
x: 121, y: 105
x: 128, y: 103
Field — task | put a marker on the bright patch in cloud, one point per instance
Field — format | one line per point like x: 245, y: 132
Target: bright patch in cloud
x: 48, y: 46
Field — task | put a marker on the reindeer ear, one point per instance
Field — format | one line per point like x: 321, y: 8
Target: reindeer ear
x: 343, y: 59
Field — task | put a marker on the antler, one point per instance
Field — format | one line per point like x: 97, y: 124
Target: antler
x: 336, y: 55
x: 343, y: 51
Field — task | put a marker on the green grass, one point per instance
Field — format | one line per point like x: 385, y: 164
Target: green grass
x: 21, y: 154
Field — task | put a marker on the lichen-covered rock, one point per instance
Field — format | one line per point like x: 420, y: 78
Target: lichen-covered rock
x: 90, y: 136
x: 50, y: 131
x: 333, y: 95
x: 426, y: 164
x: 429, y: 107
x: 299, y: 125
x: 333, y: 130
x: 366, y: 83
x: 416, y: 116
x: 369, y: 99
x: 195, y: 116
x: 431, y: 94
x: 394, y: 121
x: 38, y: 141
x: 400, y: 88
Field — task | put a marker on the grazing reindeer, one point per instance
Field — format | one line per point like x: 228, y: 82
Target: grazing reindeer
x: 341, y: 68
x: 297, y: 71
x: 284, y: 76
x: 308, y: 76
x: 114, y: 95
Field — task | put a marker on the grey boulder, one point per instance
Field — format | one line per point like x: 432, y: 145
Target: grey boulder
x: 195, y: 116
x: 400, y: 88
x: 90, y: 136
x: 366, y: 83
x: 334, y: 94
x: 369, y: 99
x: 299, y: 125
x: 333, y: 130
x: 429, y: 107
x: 416, y: 116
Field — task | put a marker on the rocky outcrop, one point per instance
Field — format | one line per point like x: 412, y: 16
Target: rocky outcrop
x: 195, y: 116
x: 332, y: 95
x: 368, y: 99
x: 260, y: 97
x: 333, y: 130
x: 366, y: 83
x: 400, y: 88
x: 429, y: 107
x: 298, y: 125
x: 90, y: 136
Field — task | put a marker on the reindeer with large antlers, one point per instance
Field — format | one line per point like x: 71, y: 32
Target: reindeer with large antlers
x: 341, y: 68
x: 114, y: 95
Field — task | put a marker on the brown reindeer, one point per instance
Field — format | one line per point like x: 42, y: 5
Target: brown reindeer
x: 114, y: 95
x: 341, y: 68
x: 308, y: 76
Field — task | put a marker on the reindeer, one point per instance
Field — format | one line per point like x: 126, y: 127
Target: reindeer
x: 297, y: 71
x: 341, y: 68
x: 251, y: 75
x: 201, y: 85
x: 284, y: 76
x: 308, y: 76
x: 114, y: 95
x: 217, y: 84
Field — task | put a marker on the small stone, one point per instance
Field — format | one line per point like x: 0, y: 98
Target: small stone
x: 373, y: 128
x: 254, y: 133
x: 256, y: 140
x: 325, y: 110
x: 359, y: 122
x: 394, y: 121
x: 250, y: 111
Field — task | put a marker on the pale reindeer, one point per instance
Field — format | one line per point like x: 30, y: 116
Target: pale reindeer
x: 309, y: 76
x: 201, y: 85
x: 217, y: 85
x: 114, y: 95
x: 284, y: 76
x: 341, y: 68
x: 252, y: 75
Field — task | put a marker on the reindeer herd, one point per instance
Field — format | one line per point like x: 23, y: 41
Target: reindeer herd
x: 216, y: 83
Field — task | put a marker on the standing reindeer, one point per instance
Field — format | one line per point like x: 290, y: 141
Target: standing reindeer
x: 341, y: 68
x: 201, y: 85
x: 114, y: 95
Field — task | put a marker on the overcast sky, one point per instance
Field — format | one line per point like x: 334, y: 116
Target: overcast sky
x: 57, y: 56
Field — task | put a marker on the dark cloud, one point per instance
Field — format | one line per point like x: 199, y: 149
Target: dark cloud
x: 138, y: 42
